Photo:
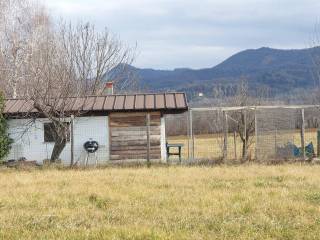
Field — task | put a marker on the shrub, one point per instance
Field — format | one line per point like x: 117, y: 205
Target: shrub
x: 5, y: 140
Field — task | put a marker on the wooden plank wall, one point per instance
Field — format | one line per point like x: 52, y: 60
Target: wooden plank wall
x: 128, y: 138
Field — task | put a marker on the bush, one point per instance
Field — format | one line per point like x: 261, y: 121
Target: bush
x: 5, y: 140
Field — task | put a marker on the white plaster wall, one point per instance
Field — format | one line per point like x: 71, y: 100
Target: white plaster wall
x: 96, y: 128
x: 29, y: 142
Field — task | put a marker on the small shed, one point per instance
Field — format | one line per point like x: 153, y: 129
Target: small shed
x: 127, y: 127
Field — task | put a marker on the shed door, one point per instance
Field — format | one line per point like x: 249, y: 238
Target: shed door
x: 128, y: 136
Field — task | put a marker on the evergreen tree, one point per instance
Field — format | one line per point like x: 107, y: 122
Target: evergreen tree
x: 5, y: 140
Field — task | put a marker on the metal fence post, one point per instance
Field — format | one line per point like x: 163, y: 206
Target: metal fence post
x: 245, y: 135
x: 302, y: 135
x: 72, y: 140
x: 256, y: 134
x: 148, y: 138
x: 191, y: 135
x: 225, y: 138
x: 318, y: 142
x: 275, y: 142
x: 235, y: 145
x: 188, y: 134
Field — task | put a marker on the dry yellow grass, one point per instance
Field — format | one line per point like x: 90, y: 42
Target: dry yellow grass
x: 223, y: 202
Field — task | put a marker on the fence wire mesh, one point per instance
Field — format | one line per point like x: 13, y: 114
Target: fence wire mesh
x: 238, y: 134
x: 278, y: 131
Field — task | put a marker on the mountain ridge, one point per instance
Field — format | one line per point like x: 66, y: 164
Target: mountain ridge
x: 279, y: 70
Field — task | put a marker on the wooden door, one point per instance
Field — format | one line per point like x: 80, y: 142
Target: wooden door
x: 128, y: 136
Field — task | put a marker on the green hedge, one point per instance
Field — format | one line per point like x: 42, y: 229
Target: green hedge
x: 5, y: 140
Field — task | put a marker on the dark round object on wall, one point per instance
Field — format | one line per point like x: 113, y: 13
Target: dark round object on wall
x: 91, y: 146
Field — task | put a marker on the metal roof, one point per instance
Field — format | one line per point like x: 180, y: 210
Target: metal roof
x: 112, y: 103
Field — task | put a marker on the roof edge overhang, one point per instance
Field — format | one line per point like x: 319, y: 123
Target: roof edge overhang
x: 103, y: 105
x: 92, y: 113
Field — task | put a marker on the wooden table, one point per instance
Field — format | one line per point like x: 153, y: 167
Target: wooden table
x: 178, y: 147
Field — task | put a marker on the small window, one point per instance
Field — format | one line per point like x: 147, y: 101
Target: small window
x: 49, y: 132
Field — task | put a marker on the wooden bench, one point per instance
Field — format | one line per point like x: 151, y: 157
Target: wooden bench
x: 178, y: 146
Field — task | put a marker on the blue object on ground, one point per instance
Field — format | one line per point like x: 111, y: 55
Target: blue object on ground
x: 297, y: 152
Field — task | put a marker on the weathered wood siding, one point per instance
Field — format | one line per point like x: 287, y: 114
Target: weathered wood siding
x: 128, y: 136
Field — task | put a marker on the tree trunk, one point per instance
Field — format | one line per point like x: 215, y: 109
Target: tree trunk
x: 244, y: 150
x: 59, y: 145
x: 245, y: 147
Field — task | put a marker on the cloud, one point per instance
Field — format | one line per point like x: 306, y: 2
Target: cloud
x: 189, y: 33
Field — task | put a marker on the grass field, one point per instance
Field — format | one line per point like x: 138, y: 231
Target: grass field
x: 222, y: 202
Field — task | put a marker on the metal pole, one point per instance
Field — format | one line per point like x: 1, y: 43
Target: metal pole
x: 245, y: 135
x: 256, y: 134
x: 275, y: 142
x: 188, y: 135
x: 72, y: 140
x: 148, y: 138
x: 302, y: 135
x: 318, y: 142
x: 235, y: 144
x: 191, y: 135
x: 225, y: 138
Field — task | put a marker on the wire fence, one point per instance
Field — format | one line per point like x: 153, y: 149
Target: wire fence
x: 217, y: 135
x: 250, y: 133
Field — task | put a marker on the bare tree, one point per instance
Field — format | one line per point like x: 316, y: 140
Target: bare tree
x: 48, y: 64
x: 93, y: 55
x: 20, y: 20
x: 243, y: 121
x: 71, y: 63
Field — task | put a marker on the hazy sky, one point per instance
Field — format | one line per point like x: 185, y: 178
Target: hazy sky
x: 196, y: 33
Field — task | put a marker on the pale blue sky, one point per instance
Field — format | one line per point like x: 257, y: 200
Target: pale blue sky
x: 196, y: 33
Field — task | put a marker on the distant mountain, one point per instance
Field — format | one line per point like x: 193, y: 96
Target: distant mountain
x: 280, y: 71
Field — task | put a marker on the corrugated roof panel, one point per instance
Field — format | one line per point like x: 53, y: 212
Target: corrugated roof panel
x: 160, y: 103
x: 156, y: 102
x: 129, y: 103
x: 98, y: 105
x: 68, y: 104
x: 170, y: 100
x: 16, y: 107
x: 28, y: 107
x: 54, y: 102
x: 88, y: 105
x: 180, y: 100
x: 78, y: 104
x: 139, y: 102
x: 60, y: 104
x: 109, y: 102
x: 9, y: 104
x: 22, y: 108
x: 150, y: 101
x: 119, y: 102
